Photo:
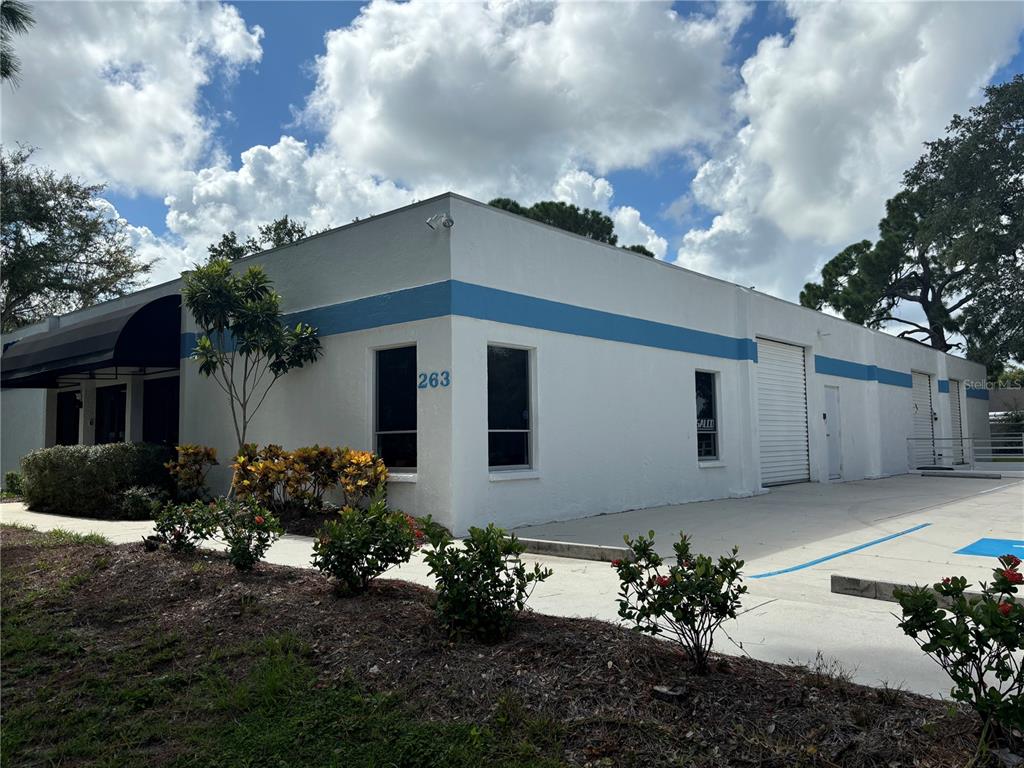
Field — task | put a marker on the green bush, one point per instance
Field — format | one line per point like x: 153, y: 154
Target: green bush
x: 361, y: 544
x: 13, y: 484
x: 183, y: 527
x: 248, y: 529
x: 483, y: 585
x: 688, y: 601
x: 977, y: 640
x: 138, y: 503
x: 88, y: 480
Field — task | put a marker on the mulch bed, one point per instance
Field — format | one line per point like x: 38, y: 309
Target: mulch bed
x: 593, y: 678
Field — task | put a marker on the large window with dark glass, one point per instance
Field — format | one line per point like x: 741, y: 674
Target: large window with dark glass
x: 707, y: 417
x: 68, y: 411
x: 396, y: 407
x: 160, y: 410
x: 508, y: 408
x: 111, y: 405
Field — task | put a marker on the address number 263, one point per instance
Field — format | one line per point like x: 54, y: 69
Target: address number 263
x: 434, y: 380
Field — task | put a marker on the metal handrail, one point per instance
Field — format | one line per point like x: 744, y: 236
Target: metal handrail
x: 964, y: 451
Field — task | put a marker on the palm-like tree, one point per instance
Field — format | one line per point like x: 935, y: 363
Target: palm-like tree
x: 15, y: 19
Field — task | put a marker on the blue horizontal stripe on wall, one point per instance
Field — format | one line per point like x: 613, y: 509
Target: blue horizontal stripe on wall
x: 944, y: 386
x: 980, y: 394
x: 832, y: 366
x: 482, y: 303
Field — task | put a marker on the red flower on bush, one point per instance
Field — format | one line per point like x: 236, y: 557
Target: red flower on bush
x: 1012, y: 561
x: 1005, y: 608
x: 1012, y: 576
x: 664, y: 581
x: 616, y: 563
x: 259, y: 520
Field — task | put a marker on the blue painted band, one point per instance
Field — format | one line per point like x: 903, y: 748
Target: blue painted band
x: 834, y: 555
x: 978, y: 394
x: 943, y: 386
x: 831, y: 366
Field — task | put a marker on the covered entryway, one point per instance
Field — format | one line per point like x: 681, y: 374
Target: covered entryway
x: 922, y: 432
x: 106, y: 376
x: 782, y: 413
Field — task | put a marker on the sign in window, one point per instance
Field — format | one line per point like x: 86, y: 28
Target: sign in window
x: 508, y: 408
x: 707, y: 416
x: 396, y: 407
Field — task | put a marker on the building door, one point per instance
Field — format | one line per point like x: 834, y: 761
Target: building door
x: 956, y: 425
x: 782, y: 413
x: 111, y: 403
x: 923, y: 422
x: 160, y: 411
x: 68, y: 410
x: 833, y: 436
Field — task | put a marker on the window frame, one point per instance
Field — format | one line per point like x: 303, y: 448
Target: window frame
x: 716, y: 390
x: 375, y: 403
x: 531, y: 430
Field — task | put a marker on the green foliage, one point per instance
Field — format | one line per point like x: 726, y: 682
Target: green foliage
x: 641, y: 249
x: 689, y: 600
x: 977, y: 640
x: 13, y: 484
x: 586, y: 221
x: 60, y: 249
x: 183, y: 527
x: 61, y: 537
x: 361, y: 544
x: 242, y: 343
x: 283, y: 231
x: 138, y: 503
x: 248, y: 530
x: 88, y: 480
x: 483, y: 585
x: 15, y: 19
x: 951, y: 242
x: 190, y: 468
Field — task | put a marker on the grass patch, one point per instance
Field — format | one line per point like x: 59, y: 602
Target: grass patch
x: 59, y: 537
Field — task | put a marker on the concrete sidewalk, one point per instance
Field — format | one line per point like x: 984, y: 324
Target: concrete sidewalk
x: 788, y: 618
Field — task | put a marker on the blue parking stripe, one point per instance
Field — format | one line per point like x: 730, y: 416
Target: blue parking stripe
x: 834, y: 555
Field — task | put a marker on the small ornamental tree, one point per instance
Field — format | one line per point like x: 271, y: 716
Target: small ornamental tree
x: 978, y: 640
x: 243, y: 344
x: 689, y: 600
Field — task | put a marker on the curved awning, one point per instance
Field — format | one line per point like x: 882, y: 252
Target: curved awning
x: 146, y: 336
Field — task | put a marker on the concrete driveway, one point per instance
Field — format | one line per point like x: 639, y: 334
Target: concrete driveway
x: 789, y: 613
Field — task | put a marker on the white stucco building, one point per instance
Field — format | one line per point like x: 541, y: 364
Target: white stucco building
x: 512, y: 372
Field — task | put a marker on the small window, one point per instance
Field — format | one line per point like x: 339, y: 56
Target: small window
x: 707, y: 417
x: 508, y: 408
x: 396, y: 407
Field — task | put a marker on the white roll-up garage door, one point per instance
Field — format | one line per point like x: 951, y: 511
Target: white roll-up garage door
x: 782, y: 412
x: 922, y: 425
x: 956, y: 423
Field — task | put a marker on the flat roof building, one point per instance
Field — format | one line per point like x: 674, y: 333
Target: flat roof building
x: 512, y: 372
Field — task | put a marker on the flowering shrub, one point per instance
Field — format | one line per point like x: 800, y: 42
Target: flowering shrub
x: 977, y: 640
x: 688, y: 600
x: 360, y: 474
x: 183, y: 527
x: 248, y: 529
x: 483, y: 585
x: 189, y: 470
x: 361, y: 544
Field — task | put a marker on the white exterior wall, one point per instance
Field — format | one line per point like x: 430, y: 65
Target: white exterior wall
x: 23, y: 415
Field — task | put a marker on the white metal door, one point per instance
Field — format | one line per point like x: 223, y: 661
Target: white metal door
x: 922, y: 425
x: 956, y: 426
x: 833, y: 436
x: 782, y: 413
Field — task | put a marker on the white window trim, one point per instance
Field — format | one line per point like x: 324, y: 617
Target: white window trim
x: 718, y: 460
x: 516, y: 471
x: 402, y: 474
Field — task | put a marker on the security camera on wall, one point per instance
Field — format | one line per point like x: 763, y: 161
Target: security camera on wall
x: 440, y: 219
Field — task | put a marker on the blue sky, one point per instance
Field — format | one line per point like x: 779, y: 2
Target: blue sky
x: 749, y: 141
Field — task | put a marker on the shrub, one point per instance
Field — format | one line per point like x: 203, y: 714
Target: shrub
x: 190, y: 468
x: 311, y: 475
x: 361, y: 474
x: 361, y: 544
x: 139, y: 503
x: 88, y: 480
x: 261, y: 474
x: 13, y: 484
x: 482, y: 586
x: 183, y: 527
x: 689, y: 600
x: 977, y: 639
x: 248, y: 529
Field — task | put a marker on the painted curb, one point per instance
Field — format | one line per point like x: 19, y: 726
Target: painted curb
x: 576, y: 551
x: 874, y: 590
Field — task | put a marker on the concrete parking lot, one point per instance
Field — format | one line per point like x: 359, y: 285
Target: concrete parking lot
x: 902, y: 529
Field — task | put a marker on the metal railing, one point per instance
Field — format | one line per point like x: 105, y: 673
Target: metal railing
x: 966, y: 452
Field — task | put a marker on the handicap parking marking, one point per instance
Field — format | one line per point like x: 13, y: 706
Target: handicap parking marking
x: 994, y: 548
